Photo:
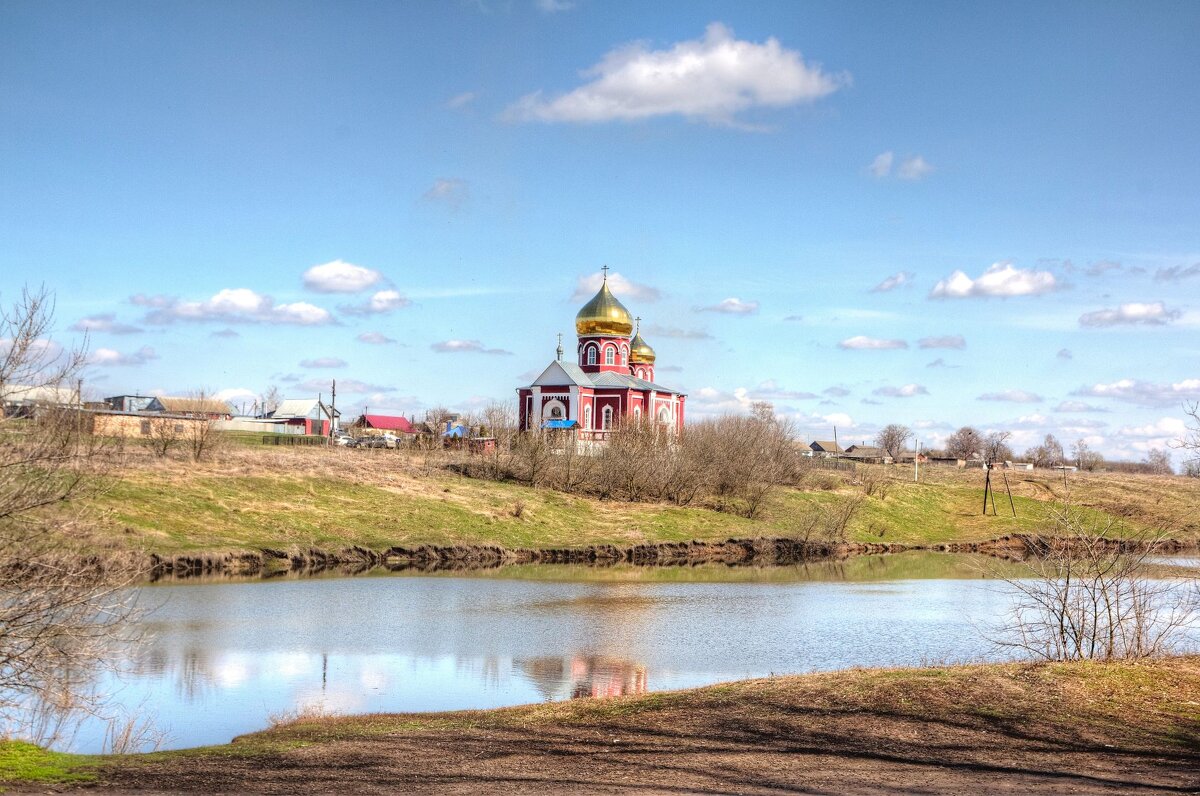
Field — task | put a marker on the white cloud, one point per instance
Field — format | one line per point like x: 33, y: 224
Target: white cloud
x: 381, y: 302
x: 225, y: 334
x: 881, y: 166
x: 340, y: 277
x: 1000, y: 279
x: 714, y: 78
x: 374, y: 338
x: 343, y: 386
x: 863, y: 343
x: 466, y: 347
x: 892, y: 282
x: 836, y: 392
x: 907, y: 391
x: 105, y: 322
x: 943, y: 341
x: 675, y: 333
x: 323, y: 362
x: 589, y: 285
x: 1132, y: 313
x: 1064, y: 353
x: 232, y: 305
x: 770, y: 390
x: 1078, y: 406
x: 236, y: 395
x: 554, y: 6
x: 732, y: 306
x: 452, y: 192
x: 108, y: 357
x: 1167, y: 428
x: 914, y: 168
x: 1012, y: 396
x: 461, y: 100
x: 1143, y: 393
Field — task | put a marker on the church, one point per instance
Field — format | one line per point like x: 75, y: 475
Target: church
x: 611, y: 380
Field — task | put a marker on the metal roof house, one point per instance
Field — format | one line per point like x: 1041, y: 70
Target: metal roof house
x: 312, y: 413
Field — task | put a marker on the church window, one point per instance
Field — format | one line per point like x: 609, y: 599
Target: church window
x: 664, y: 415
x: 637, y: 413
x: 610, y: 355
x: 608, y: 417
x: 591, y: 355
x: 587, y: 417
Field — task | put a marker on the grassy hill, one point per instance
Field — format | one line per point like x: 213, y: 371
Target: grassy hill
x: 279, y: 498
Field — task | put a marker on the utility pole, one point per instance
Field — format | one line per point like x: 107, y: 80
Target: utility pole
x: 332, y: 407
x: 917, y: 464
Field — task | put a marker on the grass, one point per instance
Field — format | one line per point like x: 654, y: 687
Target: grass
x: 22, y: 762
x: 317, y: 497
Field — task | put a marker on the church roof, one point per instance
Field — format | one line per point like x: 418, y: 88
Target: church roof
x: 558, y: 373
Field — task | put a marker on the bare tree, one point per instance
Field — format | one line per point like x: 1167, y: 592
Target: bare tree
x: 892, y: 439
x: 996, y: 448
x: 1085, y: 458
x: 1158, y: 462
x: 271, y: 400
x: 1091, y: 596
x: 200, y: 433
x: 59, y: 610
x: 964, y: 443
x: 1048, y: 454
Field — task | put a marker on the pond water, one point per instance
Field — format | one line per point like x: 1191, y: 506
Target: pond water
x: 221, y: 658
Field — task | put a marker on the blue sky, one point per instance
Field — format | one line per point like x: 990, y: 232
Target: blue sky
x: 927, y: 213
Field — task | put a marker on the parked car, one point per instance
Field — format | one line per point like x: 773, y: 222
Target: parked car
x: 372, y: 442
x: 342, y: 439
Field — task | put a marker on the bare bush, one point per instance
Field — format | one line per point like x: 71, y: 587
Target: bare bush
x: 874, y: 480
x: 1091, y: 597
x: 200, y: 434
x: 827, y: 521
x: 161, y: 435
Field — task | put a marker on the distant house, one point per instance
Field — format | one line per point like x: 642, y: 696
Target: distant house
x: 384, y: 423
x: 23, y: 401
x: 865, y: 452
x: 826, y: 447
x: 312, y: 414
x: 208, y: 408
x: 134, y: 403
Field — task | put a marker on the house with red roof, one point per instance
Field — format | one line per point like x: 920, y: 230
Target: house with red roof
x: 384, y: 423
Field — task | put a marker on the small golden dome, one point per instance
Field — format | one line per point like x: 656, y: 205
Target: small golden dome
x: 640, y: 352
x: 604, y: 315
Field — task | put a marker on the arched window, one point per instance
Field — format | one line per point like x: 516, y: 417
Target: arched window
x: 637, y: 414
x: 624, y: 355
x: 587, y: 417
x: 608, y: 417
x: 591, y: 355
x: 610, y: 355
x: 664, y: 416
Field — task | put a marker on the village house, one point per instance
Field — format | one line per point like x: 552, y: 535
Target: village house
x: 825, y: 448
x: 312, y: 414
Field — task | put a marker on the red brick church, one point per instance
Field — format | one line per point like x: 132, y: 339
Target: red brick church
x: 611, y: 380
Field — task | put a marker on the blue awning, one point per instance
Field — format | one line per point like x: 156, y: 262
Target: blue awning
x: 559, y: 424
x: 456, y: 433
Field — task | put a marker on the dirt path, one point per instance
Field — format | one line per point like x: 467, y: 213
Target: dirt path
x: 994, y: 729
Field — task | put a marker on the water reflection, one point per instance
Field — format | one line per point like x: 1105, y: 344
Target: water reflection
x: 583, y: 676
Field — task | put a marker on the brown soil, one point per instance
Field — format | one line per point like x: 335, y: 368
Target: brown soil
x: 1076, y: 728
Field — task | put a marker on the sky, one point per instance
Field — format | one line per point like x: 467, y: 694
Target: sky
x: 933, y: 214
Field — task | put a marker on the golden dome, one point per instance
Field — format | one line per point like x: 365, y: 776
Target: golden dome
x: 640, y: 352
x: 604, y: 315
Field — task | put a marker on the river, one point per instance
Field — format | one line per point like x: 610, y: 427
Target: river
x: 220, y: 659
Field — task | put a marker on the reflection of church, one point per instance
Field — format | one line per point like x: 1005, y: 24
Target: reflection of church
x: 584, y: 676
x: 612, y: 378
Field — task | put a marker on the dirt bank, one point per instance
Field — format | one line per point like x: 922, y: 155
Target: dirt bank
x: 430, y: 558
x: 1062, y: 728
